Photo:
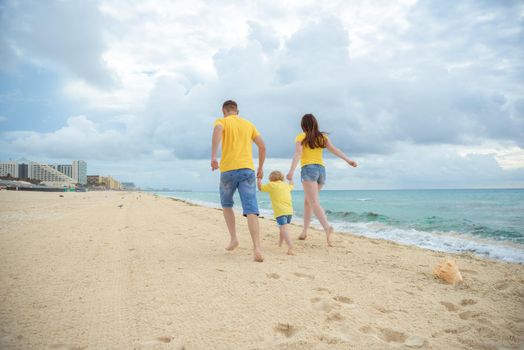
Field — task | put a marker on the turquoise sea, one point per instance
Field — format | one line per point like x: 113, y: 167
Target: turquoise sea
x: 486, y: 222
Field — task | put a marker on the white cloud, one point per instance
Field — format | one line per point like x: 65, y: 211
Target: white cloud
x: 80, y: 138
x: 387, y: 79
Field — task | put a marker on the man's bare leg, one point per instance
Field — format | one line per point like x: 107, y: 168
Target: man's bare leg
x: 252, y: 222
x: 229, y: 216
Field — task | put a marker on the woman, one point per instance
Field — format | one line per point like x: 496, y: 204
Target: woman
x: 309, y: 146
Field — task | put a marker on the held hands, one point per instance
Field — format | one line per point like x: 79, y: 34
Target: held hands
x: 214, y: 164
x: 260, y: 173
x: 289, y: 177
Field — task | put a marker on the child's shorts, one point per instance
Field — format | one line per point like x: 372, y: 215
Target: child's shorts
x: 284, y: 219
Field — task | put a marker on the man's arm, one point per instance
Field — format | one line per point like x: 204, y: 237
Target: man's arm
x: 261, y: 155
x: 215, y: 141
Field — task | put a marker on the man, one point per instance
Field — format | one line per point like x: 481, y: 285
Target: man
x: 237, y: 171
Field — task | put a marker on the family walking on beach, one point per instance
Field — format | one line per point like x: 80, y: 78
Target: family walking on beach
x: 237, y: 171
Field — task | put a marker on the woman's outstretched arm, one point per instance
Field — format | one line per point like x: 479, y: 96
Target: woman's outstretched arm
x: 296, y: 157
x: 331, y: 147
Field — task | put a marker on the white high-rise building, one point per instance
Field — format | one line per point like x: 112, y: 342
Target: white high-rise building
x: 9, y: 168
x: 79, y: 172
x: 44, y: 172
x: 65, y: 169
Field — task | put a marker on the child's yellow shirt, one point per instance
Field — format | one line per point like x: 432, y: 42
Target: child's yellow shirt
x: 280, y: 194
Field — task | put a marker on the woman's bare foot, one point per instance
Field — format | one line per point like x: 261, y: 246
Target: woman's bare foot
x: 257, y: 256
x: 329, y: 233
x: 302, y: 236
x: 290, y: 251
x: 232, y: 245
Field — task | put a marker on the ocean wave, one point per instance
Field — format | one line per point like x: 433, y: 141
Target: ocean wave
x: 440, y: 241
x: 357, y: 217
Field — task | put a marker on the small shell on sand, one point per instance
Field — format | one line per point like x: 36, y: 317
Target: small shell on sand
x: 448, y: 271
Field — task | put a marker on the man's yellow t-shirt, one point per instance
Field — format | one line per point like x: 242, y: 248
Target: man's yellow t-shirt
x: 310, y: 155
x: 237, y: 137
x: 280, y: 194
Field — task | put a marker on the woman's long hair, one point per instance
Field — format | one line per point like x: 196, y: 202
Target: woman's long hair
x: 314, y: 138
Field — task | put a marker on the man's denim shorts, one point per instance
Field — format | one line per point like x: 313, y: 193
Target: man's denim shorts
x: 284, y: 219
x: 245, y: 181
x: 313, y: 172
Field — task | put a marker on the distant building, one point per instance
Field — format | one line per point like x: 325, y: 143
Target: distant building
x: 9, y: 168
x: 53, y: 173
x: 103, y: 182
x: 93, y: 180
x: 79, y: 172
x: 23, y: 171
x: 44, y: 172
x: 65, y: 169
x: 129, y: 186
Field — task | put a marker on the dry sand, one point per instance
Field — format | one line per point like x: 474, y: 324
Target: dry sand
x: 80, y: 272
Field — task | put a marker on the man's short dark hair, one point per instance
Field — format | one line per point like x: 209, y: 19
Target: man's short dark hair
x: 230, y: 106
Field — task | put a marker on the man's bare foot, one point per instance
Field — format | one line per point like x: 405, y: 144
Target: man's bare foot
x: 257, y: 256
x: 232, y: 245
x: 290, y: 251
x: 302, y: 236
x: 329, y: 233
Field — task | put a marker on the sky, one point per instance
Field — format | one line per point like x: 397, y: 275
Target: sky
x: 422, y: 94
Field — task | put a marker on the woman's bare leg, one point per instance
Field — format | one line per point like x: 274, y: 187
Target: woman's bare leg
x: 311, y: 189
x: 308, y: 213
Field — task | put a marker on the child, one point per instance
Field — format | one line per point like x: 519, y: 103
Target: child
x: 280, y: 194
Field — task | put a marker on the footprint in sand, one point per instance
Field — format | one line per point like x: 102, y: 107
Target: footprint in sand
x: 164, y: 339
x: 334, y: 317
x: 343, y: 300
x: 325, y: 305
x: 466, y: 302
x: 286, y: 329
x: 303, y: 275
x: 273, y: 275
x: 466, y: 315
x: 450, y: 306
x: 60, y: 346
x: 393, y: 336
x: 501, y: 285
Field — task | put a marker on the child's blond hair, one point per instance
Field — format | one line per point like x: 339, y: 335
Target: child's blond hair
x: 276, y: 176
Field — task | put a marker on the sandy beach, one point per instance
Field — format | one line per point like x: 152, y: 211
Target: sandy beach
x: 116, y: 270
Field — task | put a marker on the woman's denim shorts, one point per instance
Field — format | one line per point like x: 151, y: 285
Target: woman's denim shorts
x: 313, y: 172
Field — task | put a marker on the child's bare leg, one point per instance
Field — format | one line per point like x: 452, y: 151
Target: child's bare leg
x: 229, y: 217
x: 285, y: 235
x: 281, y: 239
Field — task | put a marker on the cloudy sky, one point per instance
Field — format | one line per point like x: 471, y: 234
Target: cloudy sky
x: 423, y: 94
